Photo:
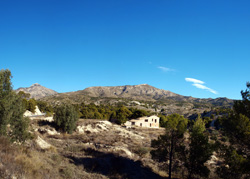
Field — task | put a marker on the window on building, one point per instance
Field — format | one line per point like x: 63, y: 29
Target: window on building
x: 141, y: 124
x: 146, y: 120
x: 155, y: 120
x: 150, y: 124
x: 133, y: 123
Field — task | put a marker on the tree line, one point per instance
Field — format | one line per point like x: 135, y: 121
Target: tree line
x: 187, y: 146
x: 117, y: 113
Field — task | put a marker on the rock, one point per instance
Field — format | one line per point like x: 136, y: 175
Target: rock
x: 106, y: 123
x: 42, y: 143
x: 36, y: 113
x: 128, y: 153
x: 80, y: 129
x: 90, y: 129
x: 27, y: 113
x: 49, y: 119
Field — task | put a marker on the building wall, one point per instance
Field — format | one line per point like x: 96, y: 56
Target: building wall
x: 151, y: 122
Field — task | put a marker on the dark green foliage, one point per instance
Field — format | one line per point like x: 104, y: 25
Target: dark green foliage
x: 207, y: 121
x: 122, y: 115
x: 243, y: 106
x: 163, y: 120
x: 223, y: 111
x: 218, y: 123
x: 136, y: 113
x: 236, y: 127
x: 169, y: 146
x: 31, y: 105
x: 93, y: 111
x: 5, y: 97
x: 24, y: 95
x: 25, y: 103
x: 19, y: 132
x: 236, y: 166
x: 237, y: 124
x: 198, y: 151
x: 12, y: 109
x: 18, y: 123
x: 45, y: 107
x: 66, y: 117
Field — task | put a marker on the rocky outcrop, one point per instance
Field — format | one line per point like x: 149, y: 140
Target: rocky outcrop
x: 37, y: 91
x: 36, y: 113
x: 42, y: 143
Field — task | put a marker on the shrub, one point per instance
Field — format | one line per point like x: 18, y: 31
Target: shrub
x: 31, y: 105
x: 66, y: 118
x: 141, y: 151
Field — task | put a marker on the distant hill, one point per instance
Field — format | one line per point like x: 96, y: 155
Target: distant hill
x: 143, y: 92
x: 37, y: 91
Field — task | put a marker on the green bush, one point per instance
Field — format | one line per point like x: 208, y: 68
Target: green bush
x: 207, y: 121
x: 66, y: 117
x: 32, y: 105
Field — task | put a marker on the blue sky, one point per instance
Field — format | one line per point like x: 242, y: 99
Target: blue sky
x: 193, y: 48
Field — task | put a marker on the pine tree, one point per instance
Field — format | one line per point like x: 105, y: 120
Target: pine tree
x: 168, y: 146
x: 12, y: 110
x: 198, y: 151
x: 237, y: 127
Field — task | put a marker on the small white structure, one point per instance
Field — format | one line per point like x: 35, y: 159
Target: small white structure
x: 146, y: 121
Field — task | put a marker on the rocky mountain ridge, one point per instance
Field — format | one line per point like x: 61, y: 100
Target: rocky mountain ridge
x: 37, y: 91
x: 143, y: 92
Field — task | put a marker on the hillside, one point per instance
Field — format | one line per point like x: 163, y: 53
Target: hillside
x: 142, y: 92
x: 37, y: 91
x: 97, y: 149
x: 144, y: 97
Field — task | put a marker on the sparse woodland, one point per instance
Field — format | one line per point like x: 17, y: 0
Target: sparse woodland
x: 212, y: 144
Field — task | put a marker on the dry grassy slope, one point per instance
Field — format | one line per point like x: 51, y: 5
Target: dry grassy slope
x: 106, y: 150
x: 98, y: 149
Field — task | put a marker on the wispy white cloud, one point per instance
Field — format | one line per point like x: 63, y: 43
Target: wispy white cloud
x: 165, y: 69
x: 194, y: 80
x: 199, y: 84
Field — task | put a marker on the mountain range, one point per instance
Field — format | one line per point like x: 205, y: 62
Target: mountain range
x: 143, y: 92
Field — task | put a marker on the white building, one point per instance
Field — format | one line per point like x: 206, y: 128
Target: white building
x: 146, y: 121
